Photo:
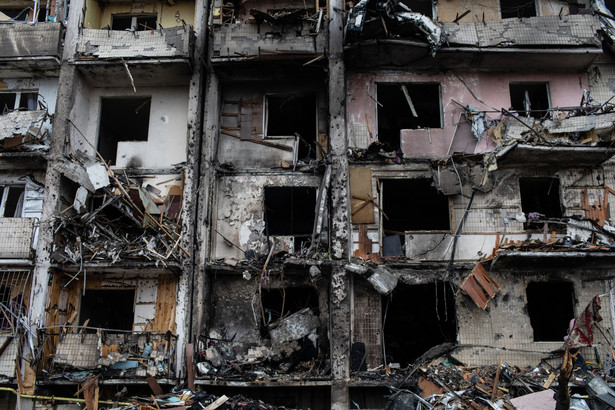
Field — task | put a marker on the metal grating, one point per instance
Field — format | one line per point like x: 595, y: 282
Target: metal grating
x: 13, y: 285
x: 16, y: 237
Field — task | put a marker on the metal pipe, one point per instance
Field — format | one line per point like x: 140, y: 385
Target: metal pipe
x: 55, y: 398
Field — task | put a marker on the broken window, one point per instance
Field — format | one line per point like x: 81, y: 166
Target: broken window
x: 290, y: 210
x: 279, y: 303
x: 140, y: 22
x: 424, y: 7
x: 417, y: 318
x: 24, y: 101
x: 292, y: 115
x: 550, y: 306
x: 11, y: 200
x: 540, y: 196
x: 517, y: 8
x: 407, y: 106
x: 108, y: 309
x: 413, y: 205
x: 122, y: 119
x: 530, y: 99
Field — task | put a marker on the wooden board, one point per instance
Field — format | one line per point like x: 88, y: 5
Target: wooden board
x: 165, y: 304
x: 362, y: 207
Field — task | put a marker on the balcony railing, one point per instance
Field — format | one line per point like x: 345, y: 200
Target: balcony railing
x: 30, y: 40
x: 117, y: 354
x: 174, y: 42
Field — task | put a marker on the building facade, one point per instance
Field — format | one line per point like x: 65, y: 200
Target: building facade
x: 282, y: 199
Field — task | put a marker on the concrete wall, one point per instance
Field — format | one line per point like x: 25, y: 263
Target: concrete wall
x: 239, y: 213
x: 167, y: 15
x: 492, y: 212
x: 245, y: 154
x: 505, y: 323
x: 166, y: 144
x: 565, y: 89
x: 449, y: 10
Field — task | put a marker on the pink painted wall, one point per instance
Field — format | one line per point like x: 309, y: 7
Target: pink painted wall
x: 565, y: 89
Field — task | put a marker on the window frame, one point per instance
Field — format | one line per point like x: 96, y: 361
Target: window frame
x: 134, y: 22
x: 536, y: 11
x: 6, y: 188
x: 282, y: 94
x: 531, y: 83
x: 19, y: 94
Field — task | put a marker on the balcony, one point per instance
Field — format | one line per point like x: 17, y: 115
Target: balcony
x: 153, y: 57
x: 27, y: 50
x: 266, y: 41
x: 116, y: 354
x: 540, y: 43
x: 17, y: 235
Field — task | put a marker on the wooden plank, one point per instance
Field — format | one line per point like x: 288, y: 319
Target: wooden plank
x: 479, y: 273
x: 361, y: 192
x: 153, y: 384
x: 265, y: 143
x: 165, y: 304
x: 494, y: 391
x: 219, y: 402
x: 190, y: 366
x: 472, y: 288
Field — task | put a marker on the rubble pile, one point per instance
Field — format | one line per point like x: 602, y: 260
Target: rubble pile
x: 446, y: 383
x: 113, y: 355
x: 186, y: 399
x: 290, y: 353
x: 124, y: 221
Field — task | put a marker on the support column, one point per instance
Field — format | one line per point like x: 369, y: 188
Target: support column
x: 188, y: 295
x: 339, y: 296
x: 51, y: 196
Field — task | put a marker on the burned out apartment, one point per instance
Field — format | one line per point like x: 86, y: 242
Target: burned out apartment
x: 302, y: 202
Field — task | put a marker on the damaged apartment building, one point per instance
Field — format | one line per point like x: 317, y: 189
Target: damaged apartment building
x: 296, y: 200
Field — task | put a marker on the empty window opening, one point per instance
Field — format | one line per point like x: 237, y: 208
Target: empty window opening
x: 108, y: 309
x: 417, y: 318
x: 530, y: 99
x: 420, y: 6
x: 406, y: 106
x: 279, y: 303
x: 11, y: 200
x: 23, y: 101
x: 291, y: 115
x: 542, y: 196
x: 550, y: 306
x: 413, y: 205
x: 133, y: 22
x: 122, y: 119
x: 290, y: 210
x: 517, y: 8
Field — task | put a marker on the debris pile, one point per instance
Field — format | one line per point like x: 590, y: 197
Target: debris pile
x: 367, y: 20
x: 290, y: 353
x: 203, y: 400
x: 116, y: 218
x: 112, y: 354
x: 176, y: 399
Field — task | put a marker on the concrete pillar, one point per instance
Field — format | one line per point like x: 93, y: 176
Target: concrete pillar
x: 339, y: 307
x: 51, y: 196
x: 339, y: 316
x: 186, y: 293
x: 211, y: 129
